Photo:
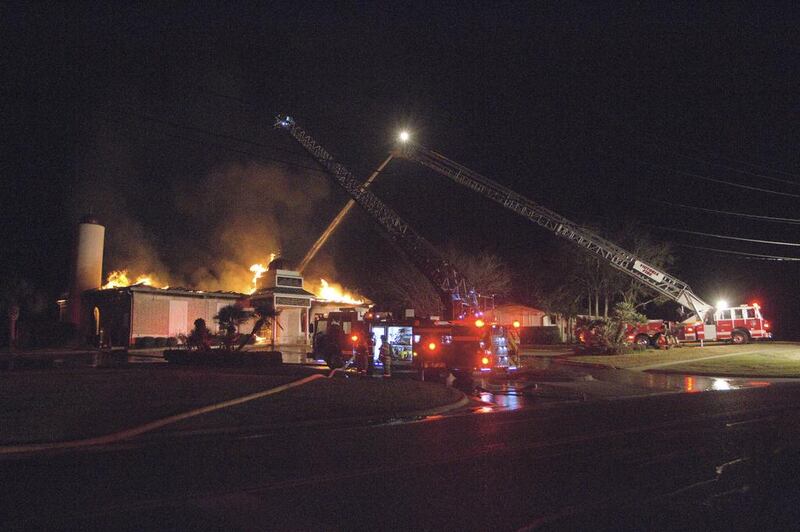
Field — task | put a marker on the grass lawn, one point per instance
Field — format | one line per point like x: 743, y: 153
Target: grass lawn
x: 327, y: 399
x: 45, y: 406
x: 754, y: 365
x: 37, y: 406
x: 773, y: 359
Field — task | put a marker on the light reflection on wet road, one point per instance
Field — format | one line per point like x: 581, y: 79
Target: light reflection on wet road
x: 541, y: 380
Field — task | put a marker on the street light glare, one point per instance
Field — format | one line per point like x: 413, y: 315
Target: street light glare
x: 404, y: 136
x: 722, y: 304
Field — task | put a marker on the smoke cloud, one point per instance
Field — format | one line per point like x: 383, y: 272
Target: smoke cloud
x: 198, y: 228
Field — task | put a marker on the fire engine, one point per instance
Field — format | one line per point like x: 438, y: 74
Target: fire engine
x: 708, y: 322
x: 460, y: 347
x: 739, y: 324
x: 458, y: 350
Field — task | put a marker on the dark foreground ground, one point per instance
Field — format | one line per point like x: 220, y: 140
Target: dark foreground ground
x: 716, y: 461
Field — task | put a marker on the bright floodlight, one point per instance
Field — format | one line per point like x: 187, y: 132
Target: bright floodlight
x: 404, y: 136
x: 722, y: 304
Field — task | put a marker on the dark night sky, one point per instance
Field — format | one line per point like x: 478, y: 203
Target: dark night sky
x: 147, y: 115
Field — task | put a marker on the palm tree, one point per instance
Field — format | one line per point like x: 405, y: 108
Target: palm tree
x: 265, y: 315
x: 231, y: 315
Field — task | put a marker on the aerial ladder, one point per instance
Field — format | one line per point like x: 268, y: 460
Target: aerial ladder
x: 459, y: 299
x: 621, y: 259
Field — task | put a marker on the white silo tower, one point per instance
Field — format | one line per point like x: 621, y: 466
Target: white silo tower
x: 87, y: 264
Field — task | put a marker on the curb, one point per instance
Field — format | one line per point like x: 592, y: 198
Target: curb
x: 464, y: 401
x: 725, y: 376
x: 568, y: 362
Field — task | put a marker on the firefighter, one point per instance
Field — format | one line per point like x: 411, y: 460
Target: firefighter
x: 371, y: 355
x: 362, y: 356
x: 386, y: 356
x: 513, y: 345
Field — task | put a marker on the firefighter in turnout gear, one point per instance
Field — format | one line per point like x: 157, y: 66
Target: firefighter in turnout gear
x: 386, y: 356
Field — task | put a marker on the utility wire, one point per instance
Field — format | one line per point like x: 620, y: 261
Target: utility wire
x: 755, y: 256
x: 702, y: 177
x: 660, y: 142
x: 190, y: 127
x: 726, y: 237
x: 657, y: 139
x: 730, y: 213
x: 255, y: 156
x: 731, y: 168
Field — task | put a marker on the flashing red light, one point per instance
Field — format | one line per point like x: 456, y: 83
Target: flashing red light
x: 516, y: 324
x: 432, y: 346
x: 630, y: 337
x: 485, y: 361
x: 479, y: 323
x: 354, y: 338
x: 755, y: 305
x: 766, y: 325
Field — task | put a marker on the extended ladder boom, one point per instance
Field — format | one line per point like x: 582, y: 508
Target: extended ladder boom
x: 450, y: 284
x: 619, y: 258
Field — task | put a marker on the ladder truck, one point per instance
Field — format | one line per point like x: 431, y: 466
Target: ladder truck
x: 739, y: 324
x: 460, y: 343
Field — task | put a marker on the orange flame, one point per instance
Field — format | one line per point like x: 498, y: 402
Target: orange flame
x: 120, y: 279
x: 258, y: 271
x: 336, y: 293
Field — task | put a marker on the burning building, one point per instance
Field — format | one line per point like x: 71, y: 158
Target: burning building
x: 125, y: 316
x: 133, y: 311
x: 283, y: 289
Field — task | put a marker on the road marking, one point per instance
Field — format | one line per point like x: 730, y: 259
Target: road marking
x: 147, y: 427
x: 663, y: 364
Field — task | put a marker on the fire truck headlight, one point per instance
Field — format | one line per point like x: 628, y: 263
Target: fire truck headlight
x: 479, y: 323
x: 485, y: 361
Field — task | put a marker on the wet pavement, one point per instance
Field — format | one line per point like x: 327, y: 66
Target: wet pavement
x: 543, y: 379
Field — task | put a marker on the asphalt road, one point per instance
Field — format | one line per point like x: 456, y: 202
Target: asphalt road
x: 715, y: 460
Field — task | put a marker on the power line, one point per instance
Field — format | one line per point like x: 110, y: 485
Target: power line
x: 730, y: 213
x: 228, y: 148
x: 190, y: 127
x: 731, y: 168
x: 656, y: 139
x: 726, y: 237
x: 754, y: 256
x: 704, y: 178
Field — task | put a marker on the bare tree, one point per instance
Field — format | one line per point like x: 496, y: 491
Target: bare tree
x: 403, y: 286
x: 487, y: 273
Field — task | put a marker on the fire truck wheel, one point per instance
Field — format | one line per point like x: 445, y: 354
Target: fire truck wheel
x: 739, y: 337
x: 642, y: 340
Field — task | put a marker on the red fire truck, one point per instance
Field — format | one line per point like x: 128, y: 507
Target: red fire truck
x: 460, y: 347
x: 738, y: 325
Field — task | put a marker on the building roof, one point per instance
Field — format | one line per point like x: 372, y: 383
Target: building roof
x: 282, y: 290
x: 176, y: 291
